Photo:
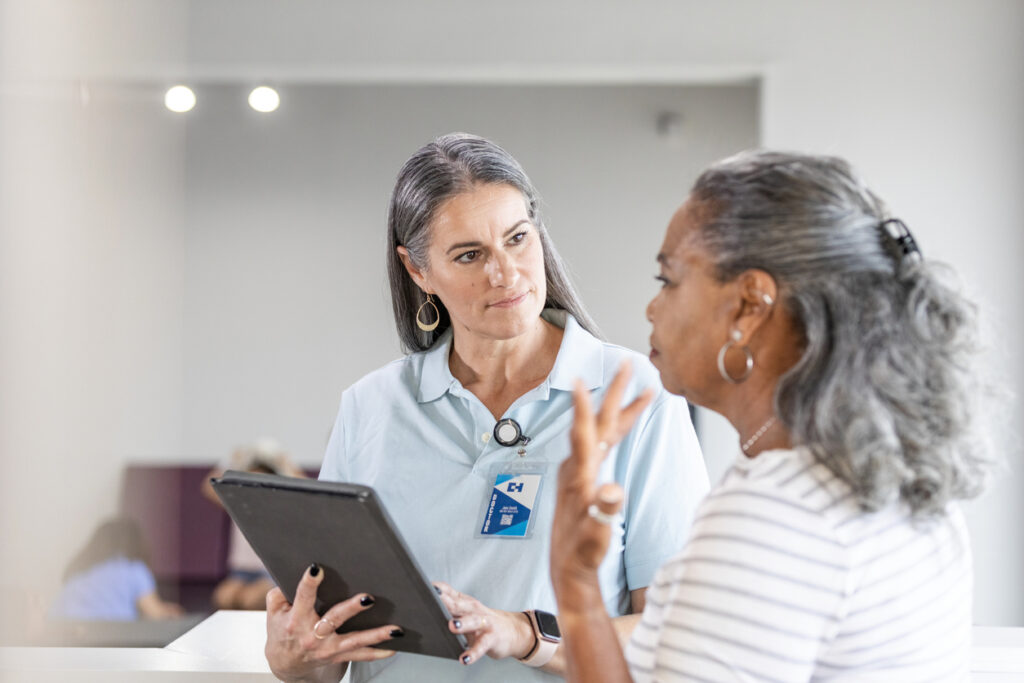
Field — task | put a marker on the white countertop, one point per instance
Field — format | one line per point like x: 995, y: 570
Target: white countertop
x: 228, y: 647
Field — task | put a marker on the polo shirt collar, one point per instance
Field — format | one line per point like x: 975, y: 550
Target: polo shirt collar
x: 580, y: 355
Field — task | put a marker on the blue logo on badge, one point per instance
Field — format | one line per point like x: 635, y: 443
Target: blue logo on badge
x: 515, y: 488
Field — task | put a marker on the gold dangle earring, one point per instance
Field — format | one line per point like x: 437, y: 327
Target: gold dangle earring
x: 428, y: 327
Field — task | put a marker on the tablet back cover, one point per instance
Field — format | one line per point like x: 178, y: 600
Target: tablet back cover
x: 292, y: 523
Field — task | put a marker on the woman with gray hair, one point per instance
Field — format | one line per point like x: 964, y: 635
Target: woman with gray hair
x: 794, y: 304
x: 459, y: 436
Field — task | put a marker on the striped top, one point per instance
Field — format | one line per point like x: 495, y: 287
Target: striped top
x: 786, y: 579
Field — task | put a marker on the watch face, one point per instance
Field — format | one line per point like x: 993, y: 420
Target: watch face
x: 548, y: 625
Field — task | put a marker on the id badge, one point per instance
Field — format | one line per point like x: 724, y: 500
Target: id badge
x: 509, y: 507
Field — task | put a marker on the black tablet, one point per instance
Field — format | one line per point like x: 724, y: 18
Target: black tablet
x: 344, y: 528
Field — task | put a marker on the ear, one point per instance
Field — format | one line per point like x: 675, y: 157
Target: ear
x: 415, y: 273
x: 758, y: 293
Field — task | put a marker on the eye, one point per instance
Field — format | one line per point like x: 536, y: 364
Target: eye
x: 466, y: 257
x: 518, y: 237
x: 663, y: 280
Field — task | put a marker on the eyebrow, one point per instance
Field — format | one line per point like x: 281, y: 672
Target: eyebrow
x: 464, y: 245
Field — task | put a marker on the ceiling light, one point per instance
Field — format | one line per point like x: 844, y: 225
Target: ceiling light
x: 264, y: 99
x: 180, y: 99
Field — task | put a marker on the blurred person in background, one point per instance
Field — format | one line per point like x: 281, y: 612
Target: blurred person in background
x: 110, y: 579
x: 246, y: 585
x: 797, y: 306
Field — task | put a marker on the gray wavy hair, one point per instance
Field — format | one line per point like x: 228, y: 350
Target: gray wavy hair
x: 448, y: 166
x: 884, y: 394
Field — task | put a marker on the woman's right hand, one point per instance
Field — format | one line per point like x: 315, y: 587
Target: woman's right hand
x: 302, y: 646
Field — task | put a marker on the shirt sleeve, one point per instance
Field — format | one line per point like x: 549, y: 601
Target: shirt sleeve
x: 664, y: 483
x: 334, y: 467
x: 142, y: 581
x: 753, y: 597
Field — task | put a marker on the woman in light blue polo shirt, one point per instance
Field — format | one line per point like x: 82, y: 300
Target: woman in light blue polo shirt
x: 462, y: 438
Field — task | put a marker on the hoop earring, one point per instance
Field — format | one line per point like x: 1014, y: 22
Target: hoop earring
x: 734, y: 338
x: 428, y: 327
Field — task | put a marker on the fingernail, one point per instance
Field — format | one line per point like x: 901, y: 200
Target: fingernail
x: 456, y: 623
x: 314, y: 569
x: 437, y: 589
x: 466, y: 659
x: 366, y: 600
x: 397, y: 633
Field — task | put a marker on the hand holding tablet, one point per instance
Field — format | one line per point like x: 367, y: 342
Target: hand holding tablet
x: 364, y: 589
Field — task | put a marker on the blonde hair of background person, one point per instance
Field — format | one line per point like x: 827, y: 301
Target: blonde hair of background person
x: 793, y: 303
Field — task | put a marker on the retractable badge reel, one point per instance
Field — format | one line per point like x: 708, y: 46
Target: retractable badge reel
x: 507, y: 432
x: 509, y: 505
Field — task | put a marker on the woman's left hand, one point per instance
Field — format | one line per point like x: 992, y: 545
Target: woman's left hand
x: 490, y: 632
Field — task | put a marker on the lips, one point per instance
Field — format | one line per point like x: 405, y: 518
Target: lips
x: 510, y: 302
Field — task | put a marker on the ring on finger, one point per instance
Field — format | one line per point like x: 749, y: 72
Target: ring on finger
x: 316, y: 628
x: 599, y: 515
x: 602, y: 446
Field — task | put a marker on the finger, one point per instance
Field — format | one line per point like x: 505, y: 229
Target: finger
x: 609, y: 498
x: 628, y: 416
x: 612, y: 403
x: 478, y: 649
x: 345, y: 610
x: 583, y: 433
x: 305, y: 593
x: 276, y: 601
x: 471, y: 623
x: 463, y: 605
x: 456, y: 602
x: 364, y: 654
x: 347, y: 642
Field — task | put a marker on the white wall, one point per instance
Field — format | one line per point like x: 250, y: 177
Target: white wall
x: 91, y: 291
x: 925, y: 97
x: 286, y: 293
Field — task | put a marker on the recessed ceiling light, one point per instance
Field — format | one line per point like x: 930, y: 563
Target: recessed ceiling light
x: 264, y: 99
x: 180, y: 99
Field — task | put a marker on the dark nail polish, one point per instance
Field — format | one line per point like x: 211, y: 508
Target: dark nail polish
x: 366, y: 600
x: 466, y: 659
x: 397, y: 633
x: 437, y: 589
x: 314, y: 569
x: 456, y: 623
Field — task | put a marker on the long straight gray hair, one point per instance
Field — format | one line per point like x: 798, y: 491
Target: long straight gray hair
x: 448, y: 166
x: 884, y: 394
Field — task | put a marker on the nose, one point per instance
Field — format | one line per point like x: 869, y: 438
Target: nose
x: 650, y: 308
x: 502, y: 271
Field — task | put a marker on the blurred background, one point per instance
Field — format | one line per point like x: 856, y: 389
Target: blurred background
x: 175, y: 285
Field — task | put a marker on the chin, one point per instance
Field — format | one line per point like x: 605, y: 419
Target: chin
x: 671, y: 385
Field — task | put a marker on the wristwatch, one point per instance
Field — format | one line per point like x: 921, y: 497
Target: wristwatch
x: 546, y: 636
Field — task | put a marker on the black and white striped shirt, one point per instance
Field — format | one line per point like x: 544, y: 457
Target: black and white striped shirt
x: 786, y: 579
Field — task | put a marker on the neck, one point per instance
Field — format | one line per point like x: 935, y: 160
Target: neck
x: 490, y: 363
x: 751, y: 410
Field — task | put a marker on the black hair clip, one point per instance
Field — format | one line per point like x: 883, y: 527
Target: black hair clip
x: 900, y: 240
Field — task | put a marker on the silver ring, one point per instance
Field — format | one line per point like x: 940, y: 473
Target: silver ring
x: 323, y: 620
x: 602, y: 445
x: 599, y: 515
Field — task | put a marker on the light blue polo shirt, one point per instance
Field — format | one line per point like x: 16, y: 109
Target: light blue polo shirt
x: 423, y: 442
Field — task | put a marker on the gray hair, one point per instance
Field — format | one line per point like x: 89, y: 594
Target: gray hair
x: 448, y: 166
x: 884, y: 394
